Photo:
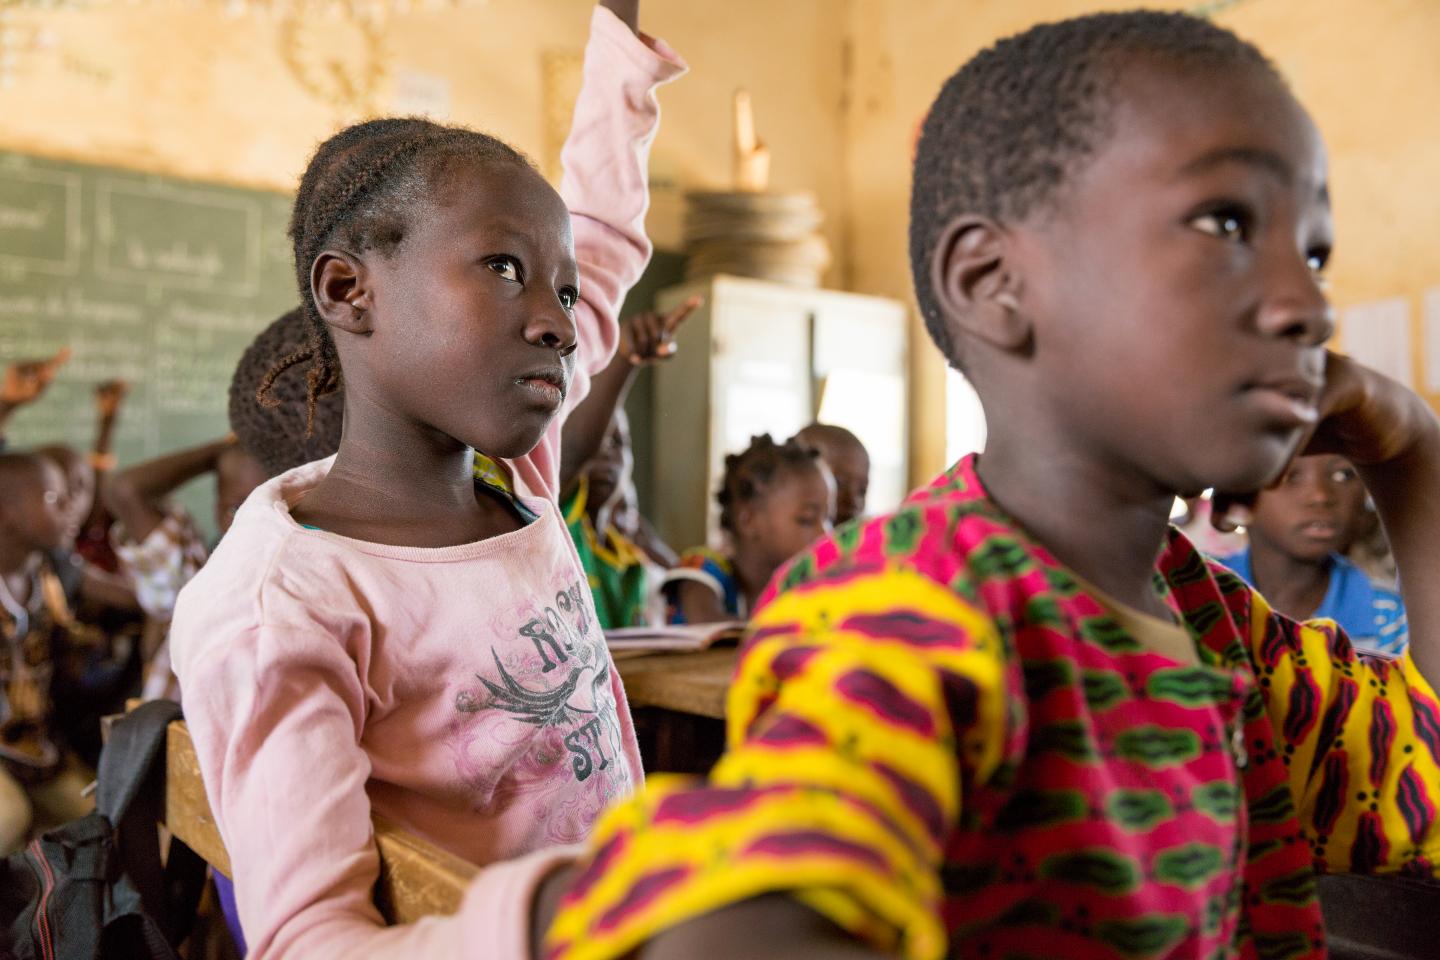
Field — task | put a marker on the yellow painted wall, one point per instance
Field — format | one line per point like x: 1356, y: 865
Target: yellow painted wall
x: 1369, y: 71
x: 840, y: 88
x: 159, y: 86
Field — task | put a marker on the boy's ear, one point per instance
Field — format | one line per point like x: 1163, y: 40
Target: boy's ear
x: 975, y: 282
x: 339, y: 284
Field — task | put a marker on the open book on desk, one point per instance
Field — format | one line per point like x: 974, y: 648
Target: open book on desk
x: 689, y: 636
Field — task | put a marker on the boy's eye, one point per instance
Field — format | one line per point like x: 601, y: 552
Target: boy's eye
x: 569, y: 296
x: 1343, y: 475
x: 1227, y: 224
x: 1318, y: 258
x: 507, y: 268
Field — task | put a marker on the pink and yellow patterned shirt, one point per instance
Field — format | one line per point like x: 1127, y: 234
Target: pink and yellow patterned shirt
x: 941, y: 740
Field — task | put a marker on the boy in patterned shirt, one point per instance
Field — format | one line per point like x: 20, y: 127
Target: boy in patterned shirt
x: 1022, y: 716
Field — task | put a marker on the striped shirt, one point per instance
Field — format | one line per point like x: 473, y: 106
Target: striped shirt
x: 940, y: 740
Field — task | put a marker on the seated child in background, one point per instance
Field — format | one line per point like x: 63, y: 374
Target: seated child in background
x: 86, y: 473
x: 1022, y: 715
x: 849, y: 463
x: 596, y: 436
x: 40, y: 785
x: 775, y: 500
x: 623, y: 578
x: 1298, y: 534
x: 159, y: 545
x: 380, y: 632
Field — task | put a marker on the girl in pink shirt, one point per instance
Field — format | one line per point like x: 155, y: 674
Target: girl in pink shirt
x: 380, y: 632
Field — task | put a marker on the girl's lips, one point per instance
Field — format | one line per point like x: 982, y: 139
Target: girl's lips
x: 543, y: 390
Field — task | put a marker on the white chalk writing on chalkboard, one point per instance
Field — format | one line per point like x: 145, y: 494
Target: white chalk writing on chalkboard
x: 40, y: 223
x: 210, y: 241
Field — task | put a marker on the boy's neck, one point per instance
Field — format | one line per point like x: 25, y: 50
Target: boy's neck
x: 1108, y: 526
x: 1294, y: 586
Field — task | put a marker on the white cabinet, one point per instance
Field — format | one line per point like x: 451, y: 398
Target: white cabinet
x: 761, y: 357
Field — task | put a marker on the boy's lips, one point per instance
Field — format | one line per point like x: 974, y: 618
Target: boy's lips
x: 1319, y: 529
x: 1290, y: 399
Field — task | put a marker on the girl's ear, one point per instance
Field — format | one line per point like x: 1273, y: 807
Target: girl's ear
x: 745, y: 518
x: 976, y: 284
x: 339, y: 284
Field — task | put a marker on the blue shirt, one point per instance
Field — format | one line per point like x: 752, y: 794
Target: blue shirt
x: 1373, y: 615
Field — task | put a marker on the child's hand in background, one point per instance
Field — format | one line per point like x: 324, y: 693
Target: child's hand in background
x: 650, y: 337
x: 26, y: 380
x: 109, y: 395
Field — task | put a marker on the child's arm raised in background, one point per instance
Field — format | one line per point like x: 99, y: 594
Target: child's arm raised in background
x: 605, y: 186
x: 135, y: 495
x: 647, y: 338
x: 109, y: 397
x: 24, y: 382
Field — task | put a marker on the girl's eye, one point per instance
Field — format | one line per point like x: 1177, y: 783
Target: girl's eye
x: 1229, y: 223
x: 507, y: 268
x: 1343, y: 475
x: 1318, y: 258
x: 569, y: 296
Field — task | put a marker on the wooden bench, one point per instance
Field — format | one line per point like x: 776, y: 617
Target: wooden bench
x: 417, y: 878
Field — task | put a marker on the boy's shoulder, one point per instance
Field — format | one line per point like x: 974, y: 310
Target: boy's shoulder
x: 949, y: 531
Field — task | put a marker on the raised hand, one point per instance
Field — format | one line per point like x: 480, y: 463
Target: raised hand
x: 25, y: 380
x: 109, y: 395
x: 650, y: 337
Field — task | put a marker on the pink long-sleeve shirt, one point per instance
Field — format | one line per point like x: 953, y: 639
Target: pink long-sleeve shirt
x: 465, y: 692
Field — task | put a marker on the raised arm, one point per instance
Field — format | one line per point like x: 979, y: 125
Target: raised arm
x: 24, y: 382
x: 109, y: 397
x: 1393, y: 438
x: 648, y: 338
x: 135, y: 496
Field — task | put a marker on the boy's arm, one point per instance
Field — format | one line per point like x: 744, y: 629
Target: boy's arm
x: 133, y: 496
x: 856, y: 707
x: 1362, y: 735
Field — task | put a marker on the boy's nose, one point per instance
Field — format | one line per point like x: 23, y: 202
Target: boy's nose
x: 1297, y: 308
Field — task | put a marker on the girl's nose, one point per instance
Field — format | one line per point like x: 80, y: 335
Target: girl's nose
x: 552, y: 326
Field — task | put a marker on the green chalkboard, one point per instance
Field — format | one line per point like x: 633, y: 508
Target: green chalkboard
x: 159, y: 281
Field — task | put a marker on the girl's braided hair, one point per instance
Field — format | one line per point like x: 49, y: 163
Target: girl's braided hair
x: 749, y: 473
x: 359, y: 193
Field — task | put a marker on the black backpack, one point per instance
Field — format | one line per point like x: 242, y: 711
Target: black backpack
x: 95, y: 889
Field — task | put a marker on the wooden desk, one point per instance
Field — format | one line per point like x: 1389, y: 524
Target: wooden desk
x: 693, y: 683
x: 678, y: 703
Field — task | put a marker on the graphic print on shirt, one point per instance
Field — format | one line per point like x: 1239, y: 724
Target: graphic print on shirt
x: 542, y: 721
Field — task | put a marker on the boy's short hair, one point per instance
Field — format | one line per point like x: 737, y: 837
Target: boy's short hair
x: 1008, y: 127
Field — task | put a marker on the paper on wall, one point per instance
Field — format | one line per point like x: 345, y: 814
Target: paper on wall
x: 1432, y: 340
x: 1378, y: 335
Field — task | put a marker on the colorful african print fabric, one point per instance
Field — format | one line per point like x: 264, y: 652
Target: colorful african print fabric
x: 1371, y: 614
x: 616, y: 569
x: 942, y: 742
x: 710, y: 567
